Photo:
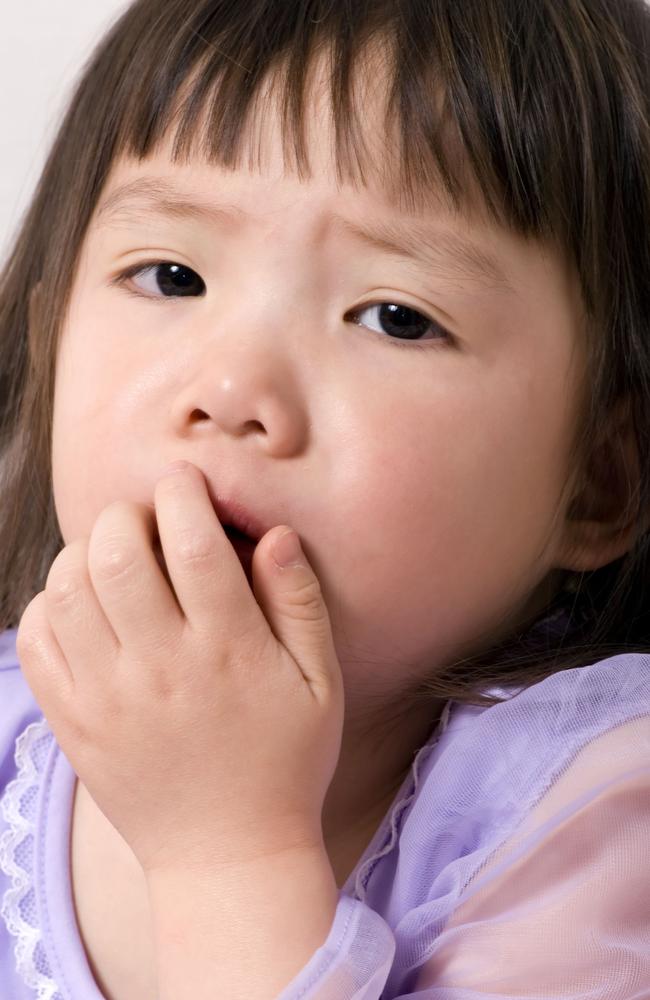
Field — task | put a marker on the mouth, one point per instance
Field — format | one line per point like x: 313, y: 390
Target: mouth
x: 244, y: 547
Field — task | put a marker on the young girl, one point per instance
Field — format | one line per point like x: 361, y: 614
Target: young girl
x: 379, y: 275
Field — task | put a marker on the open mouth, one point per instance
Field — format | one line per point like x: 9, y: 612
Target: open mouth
x: 244, y: 547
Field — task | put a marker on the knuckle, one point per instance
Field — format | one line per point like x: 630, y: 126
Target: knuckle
x: 195, y: 547
x: 114, y: 557
x: 63, y: 589
x: 63, y: 582
x: 79, y: 732
x: 307, y: 601
x: 115, y: 546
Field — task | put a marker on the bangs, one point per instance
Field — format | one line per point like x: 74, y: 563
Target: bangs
x: 445, y: 133
x: 534, y: 111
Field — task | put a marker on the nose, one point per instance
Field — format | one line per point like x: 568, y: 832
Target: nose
x: 245, y: 383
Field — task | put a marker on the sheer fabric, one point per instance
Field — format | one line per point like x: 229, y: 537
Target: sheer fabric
x: 514, y: 861
x: 523, y: 867
x: 562, y: 909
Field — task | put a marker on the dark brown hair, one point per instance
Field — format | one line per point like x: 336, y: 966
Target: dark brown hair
x: 540, y: 106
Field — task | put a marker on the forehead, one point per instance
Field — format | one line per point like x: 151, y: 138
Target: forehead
x: 367, y: 204
x: 138, y: 194
x: 499, y: 272
x: 269, y: 180
x: 307, y: 130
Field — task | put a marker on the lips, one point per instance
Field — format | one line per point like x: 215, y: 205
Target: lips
x: 242, y: 527
x: 238, y: 518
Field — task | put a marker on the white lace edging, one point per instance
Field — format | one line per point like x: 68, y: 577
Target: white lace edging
x: 19, y: 805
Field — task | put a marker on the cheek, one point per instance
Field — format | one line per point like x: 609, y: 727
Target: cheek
x: 446, y: 518
x: 83, y: 436
x: 74, y: 477
x: 455, y: 469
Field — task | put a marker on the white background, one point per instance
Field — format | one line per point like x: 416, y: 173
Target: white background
x: 43, y: 47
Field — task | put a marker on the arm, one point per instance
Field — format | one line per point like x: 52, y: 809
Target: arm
x: 242, y: 932
x: 570, y: 908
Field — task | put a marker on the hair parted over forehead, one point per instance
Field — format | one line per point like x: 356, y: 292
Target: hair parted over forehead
x: 532, y: 112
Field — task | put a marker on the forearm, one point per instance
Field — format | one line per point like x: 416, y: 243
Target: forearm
x: 244, y: 932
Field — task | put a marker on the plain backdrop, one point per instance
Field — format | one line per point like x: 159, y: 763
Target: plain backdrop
x: 44, y: 45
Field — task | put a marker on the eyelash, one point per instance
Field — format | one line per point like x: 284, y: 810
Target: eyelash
x: 447, y: 338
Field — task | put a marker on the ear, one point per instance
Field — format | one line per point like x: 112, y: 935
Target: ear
x: 602, y: 519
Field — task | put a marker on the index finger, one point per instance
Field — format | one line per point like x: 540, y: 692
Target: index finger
x: 208, y: 578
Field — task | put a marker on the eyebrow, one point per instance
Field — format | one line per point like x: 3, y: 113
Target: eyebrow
x: 439, y: 250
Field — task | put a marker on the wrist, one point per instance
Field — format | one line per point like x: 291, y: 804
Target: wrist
x: 208, y: 921
x: 218, y: 864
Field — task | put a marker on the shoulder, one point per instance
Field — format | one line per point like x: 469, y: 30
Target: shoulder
x: 18, y: 708
x: 554, y: 719
x: 561, y: 864
x: 579, y: 731
x: 492, y: 767
x: 527, y: 836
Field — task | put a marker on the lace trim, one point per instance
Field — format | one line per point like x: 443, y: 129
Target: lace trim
x: 17, y: 853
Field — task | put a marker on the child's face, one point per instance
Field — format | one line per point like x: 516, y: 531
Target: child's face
x: 422, y: 481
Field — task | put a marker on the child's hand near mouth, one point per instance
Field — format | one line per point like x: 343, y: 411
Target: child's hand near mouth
x: 205, y: 723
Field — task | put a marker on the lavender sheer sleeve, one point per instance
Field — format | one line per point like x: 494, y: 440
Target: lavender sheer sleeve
x: 522, y: 868
x: 563, y: 908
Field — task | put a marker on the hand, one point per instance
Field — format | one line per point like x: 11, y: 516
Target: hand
x: 204, y: 720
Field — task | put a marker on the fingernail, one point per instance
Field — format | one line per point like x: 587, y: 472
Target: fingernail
x: 287, y: 551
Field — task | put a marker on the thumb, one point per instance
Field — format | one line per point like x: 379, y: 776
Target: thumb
x: 289, y: 593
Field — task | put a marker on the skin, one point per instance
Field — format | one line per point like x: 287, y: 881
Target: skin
x: 425, y: 485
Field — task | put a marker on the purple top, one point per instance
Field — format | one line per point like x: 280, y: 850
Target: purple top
x: 512, y: 863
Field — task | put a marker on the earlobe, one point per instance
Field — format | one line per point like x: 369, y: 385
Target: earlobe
x: 594, y: 546
x: 602, y: 521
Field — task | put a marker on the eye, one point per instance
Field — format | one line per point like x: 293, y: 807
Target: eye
x: 163, y: 279
x: 401, y: 323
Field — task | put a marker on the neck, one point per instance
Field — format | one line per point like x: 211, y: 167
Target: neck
x: 373, y: 763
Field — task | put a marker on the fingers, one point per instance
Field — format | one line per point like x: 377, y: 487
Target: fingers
x: 42, y: 661
x: 108, y: 593
x: 128, y: 581
x: 209, y: 580
x: 74, y: 614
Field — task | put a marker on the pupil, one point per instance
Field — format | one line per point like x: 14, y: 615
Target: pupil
x: 403, y: 321
x: 173, y: 278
